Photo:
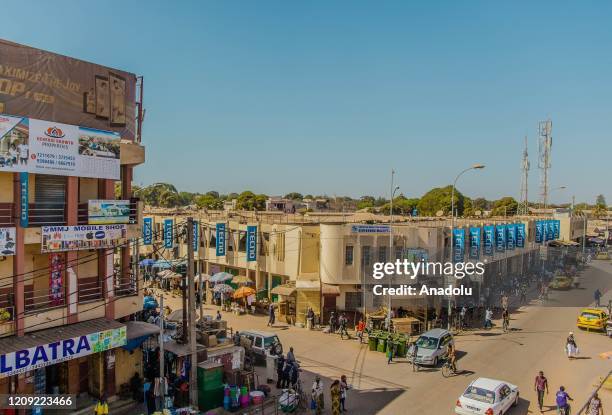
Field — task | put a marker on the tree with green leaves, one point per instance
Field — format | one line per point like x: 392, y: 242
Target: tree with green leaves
x: 600, y: 201
x: 401, y: 206
x: 208, y: 201
x: 439, y: 198
x: 248, y: 200
x: 294, y: 196
x: 506, y: 206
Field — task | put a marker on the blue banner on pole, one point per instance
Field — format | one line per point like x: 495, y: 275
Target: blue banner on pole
x: 520, y: 235
x: 251, y: 243
x: 474, y: 243
x: 168, y: 233
x: 500, y: 238
x: 550, y: 232
x: 458, y: 245
x: 489, y: 235
x: 147, y: 231
x: 511, y: 236
x: 557, y: 229
x: 220, y: 239
x: 539, y: 231
x: 24, y: 184
x: 196, y: 235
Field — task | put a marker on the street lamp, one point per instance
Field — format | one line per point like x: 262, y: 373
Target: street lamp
x: 393, y: 190
x: 452, y: 251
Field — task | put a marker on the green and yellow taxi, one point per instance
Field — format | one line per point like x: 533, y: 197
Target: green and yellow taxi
x: 592, y: 319
x: 560, y: 282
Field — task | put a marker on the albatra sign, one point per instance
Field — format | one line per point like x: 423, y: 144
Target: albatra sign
x: 47, y: 354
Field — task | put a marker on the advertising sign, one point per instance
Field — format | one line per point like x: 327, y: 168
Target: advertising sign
x: 102, y: 212
x: 251, y: 243
x: 168, y: 233
x: 370, y: 229
x: 196, y: 235
x: 7, y: 241
x: 24, y: 199
x: 47, y: 354
x: 48, y: 86
x: 520, y: 235
x: 147, y: 231
x: 56, y: 279
x: 458, y: 244
x: 80, y: 237
x: 500, y: 238
x: 220, y: 239
x: 488, y: 237
x: 539, y: 229
x: 557, y: 229
x: 474, y: 243
x: 510, y: 236
x: 550, y: 230
x: 36, y: 146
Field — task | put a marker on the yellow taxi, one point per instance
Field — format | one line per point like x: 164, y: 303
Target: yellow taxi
x: 592, y: 319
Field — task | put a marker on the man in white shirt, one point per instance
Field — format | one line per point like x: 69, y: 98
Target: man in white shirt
x: 23, y: 153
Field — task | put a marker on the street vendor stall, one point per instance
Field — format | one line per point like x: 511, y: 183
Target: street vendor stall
x: 286, y: 305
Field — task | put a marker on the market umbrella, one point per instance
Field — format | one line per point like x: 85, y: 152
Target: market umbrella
x: 201, y: 277
x: 223, y: 289
x: 221, y: 277
x: 243, y: 292
x: 241, y: 279
x: 147, y: 262
x: 176, y: 315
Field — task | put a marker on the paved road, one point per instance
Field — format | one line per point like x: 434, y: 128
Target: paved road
x: 535, y: 343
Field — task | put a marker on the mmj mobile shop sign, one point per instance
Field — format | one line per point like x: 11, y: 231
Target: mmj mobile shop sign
x: 44, y: 147
x: 74, y: 238
x: 51, y: 353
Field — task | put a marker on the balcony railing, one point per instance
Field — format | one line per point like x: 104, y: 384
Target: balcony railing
x: 47, y: 214
x: 90, y: 289
x: 41, y: 300
x: 83, y: 212
x: 7, y: 214
x: 125, y: 286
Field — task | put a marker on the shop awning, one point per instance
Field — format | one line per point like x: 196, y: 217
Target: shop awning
x: 285, y: 289
x: 308, y: 285
x: 181, y: 349
x: 137, y: 329
x: 328, y: 289
x: 56, y: 334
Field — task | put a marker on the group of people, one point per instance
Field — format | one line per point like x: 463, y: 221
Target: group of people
x: 338, y: 393
x: 287, y: 371
x: 339, y: 324
x: 562, y: 398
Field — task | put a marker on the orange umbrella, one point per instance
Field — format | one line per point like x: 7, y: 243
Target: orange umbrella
x: 243, y: 292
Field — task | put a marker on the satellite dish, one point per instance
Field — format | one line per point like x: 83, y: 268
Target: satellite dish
x: 440, y: 213
x: 478, y: 213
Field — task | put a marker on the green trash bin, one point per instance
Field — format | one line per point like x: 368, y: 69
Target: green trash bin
x: 401, y: 348
x: 372, y: 342
x: 382, y: 344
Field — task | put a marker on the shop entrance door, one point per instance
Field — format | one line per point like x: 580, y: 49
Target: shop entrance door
x: 83, y: 375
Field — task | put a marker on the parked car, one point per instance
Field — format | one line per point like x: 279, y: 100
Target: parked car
x: 487, y: 397
x: 263, y: 343
x: 592, y: 319
x: 432, y: 346
x: 560, y: 282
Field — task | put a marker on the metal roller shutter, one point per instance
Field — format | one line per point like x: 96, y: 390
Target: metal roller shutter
x: 50, y: 189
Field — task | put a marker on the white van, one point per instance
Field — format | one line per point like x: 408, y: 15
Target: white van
x: 263, y: 343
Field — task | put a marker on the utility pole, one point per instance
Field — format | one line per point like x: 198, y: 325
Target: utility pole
x: 524, y: 203
x: 193, y: 381
x: 393, y: 189
x: 162, y: 363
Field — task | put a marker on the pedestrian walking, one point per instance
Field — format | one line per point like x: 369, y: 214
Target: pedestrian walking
x: 563, y: 406
x: 488, y: 318
x: 344, y: 387
x: 294, y: 374
x: 335, y: 397
x: 595, y: 407
x: 360, y: 330
x: 310, y: 316
x: 391, y: 350
x: 332, y: 322
x: 291, y: 356
x: 414, y: 354
x: 597, y: 297
x: 286, y: 380
x: 343, y: 321
x: 317, y: 400
x: 571, y: 347
x: 523, y: 294
x: 271, y: 315
x: 280, y: 364
x: 541, y: 386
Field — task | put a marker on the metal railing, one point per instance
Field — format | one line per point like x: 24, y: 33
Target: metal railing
x: 7, y: 214
x: 125, y: 286
x: 83, y: 212
x: 41, y: 300
x: 90, y: 290
x: 47, y: 214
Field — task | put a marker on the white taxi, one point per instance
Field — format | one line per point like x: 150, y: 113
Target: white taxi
x: 487, y: 397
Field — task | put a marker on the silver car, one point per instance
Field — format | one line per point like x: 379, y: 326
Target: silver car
x: 432, y: 346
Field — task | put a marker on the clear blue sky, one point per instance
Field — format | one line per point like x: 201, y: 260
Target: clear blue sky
x: 325, y: 96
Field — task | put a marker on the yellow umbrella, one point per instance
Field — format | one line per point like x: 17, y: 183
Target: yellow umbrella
x: 243, y: 292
